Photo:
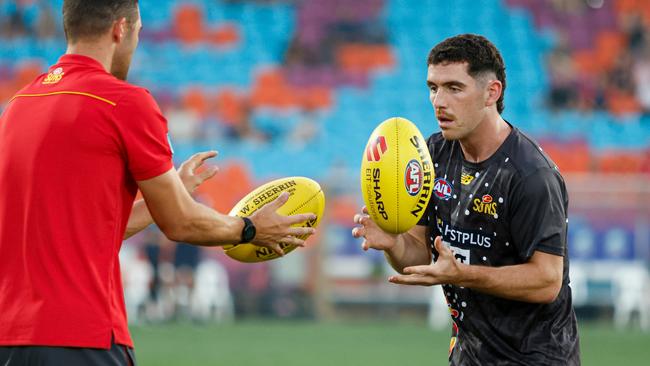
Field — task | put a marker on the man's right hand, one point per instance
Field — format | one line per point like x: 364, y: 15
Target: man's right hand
x: 273, y: 229
x: 374, y: 236
x: 401, y: 250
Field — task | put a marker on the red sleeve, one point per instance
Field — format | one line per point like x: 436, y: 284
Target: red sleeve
x: 143, y: 130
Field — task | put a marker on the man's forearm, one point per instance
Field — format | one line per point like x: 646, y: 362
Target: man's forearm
x: 203, y: 225
x: 528, y: 282
x: 408, y: 251
x: 140, y: 218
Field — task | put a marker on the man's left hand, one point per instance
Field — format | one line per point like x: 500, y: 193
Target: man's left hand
x: 446, y: 270
x: 187, y: 170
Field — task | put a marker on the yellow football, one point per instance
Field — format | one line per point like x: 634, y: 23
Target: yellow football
x: 396, y: 175
x: 306, y: 196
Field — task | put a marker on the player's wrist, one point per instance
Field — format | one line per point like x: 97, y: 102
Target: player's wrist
x: 248, y: 231
x: 464, y: 275
x: 396, y: 248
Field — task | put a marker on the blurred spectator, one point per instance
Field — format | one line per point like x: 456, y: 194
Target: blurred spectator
x: 27, y: 18
x: 186, y: 260
x: 46, y: 26
x: 642, y: 79
x: 184, y: 124
x: 13, y: 22
x: 599, y: 81
x: 635, y: 31
x: 563, y: 91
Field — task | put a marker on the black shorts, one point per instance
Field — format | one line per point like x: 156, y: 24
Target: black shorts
x: 118, y: 355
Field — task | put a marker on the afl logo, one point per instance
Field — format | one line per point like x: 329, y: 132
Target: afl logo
x: 442, y: 188
x: 413, y: 177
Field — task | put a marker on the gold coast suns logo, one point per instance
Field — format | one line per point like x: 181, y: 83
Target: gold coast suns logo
x: 485, y: 205
x: 54, y: 77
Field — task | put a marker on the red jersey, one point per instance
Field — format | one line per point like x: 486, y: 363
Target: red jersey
x: 73, y: 143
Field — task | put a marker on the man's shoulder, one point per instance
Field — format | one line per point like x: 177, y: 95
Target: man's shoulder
x: 126, y: 96
x: 120, y: 90
x: 526, y: 155
x: 97, y: 85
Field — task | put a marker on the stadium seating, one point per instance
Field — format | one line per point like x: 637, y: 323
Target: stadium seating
x: 196, y: 49
x: 286, y: 88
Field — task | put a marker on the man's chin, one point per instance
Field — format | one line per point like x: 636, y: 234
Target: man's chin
x: 449, y: 134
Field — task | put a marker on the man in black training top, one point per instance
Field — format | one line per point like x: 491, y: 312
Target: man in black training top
x: 496, y: 225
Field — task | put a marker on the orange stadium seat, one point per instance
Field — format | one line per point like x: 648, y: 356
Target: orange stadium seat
x: 586, y: 62
x: 230, y: 107
x: 609, y: 45
x: 645, y: 162
x: 26, y: 73
x: 272, y: 90
x: 316, y: 97
x: 627, y: 6
x: 641, y: 7
x: 362, y: 57
x: 620, y: 162
x: 7, y: 90
x: 195, y: 100
x: 188, y: 23
x: 226, y: 34
x: 621, y: 103
x: 232, y: 183
x: 572, y: 157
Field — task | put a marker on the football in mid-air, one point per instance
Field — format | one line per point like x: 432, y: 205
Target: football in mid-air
x: 306, y: 196
x: 396, y: 175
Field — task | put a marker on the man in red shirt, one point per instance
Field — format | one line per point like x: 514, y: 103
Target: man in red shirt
x: 75, y: 145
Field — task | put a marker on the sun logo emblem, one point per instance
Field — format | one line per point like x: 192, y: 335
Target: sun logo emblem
x: 54, y: 77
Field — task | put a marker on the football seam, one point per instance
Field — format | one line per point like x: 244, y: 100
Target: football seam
x: 305, y: 203
x: 397, y: 181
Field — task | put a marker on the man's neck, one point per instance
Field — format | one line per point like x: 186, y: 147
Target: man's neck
x: 94, y: 50
x: 485, y: 140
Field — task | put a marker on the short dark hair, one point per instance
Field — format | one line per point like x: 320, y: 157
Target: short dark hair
x: 92, y: 18
x: 479, y: 53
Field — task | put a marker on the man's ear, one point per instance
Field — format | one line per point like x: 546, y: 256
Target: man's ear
x: 494, y: 90
x: 118, y: 32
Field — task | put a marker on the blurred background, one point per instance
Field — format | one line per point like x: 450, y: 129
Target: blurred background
x: 284, y: 88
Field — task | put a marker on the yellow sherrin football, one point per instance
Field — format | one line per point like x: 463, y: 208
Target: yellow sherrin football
x: 396, y: 175
x: 306, y: 196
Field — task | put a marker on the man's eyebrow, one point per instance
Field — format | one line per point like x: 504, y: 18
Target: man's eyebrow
x: 446, y: 83
x: 454, y: 83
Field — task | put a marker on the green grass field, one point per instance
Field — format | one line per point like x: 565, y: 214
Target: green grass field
x: 268, y: 343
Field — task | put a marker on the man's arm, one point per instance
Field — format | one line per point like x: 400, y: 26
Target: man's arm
x: 140, y: 217
x: 181, y: 218
x: 538, y: 281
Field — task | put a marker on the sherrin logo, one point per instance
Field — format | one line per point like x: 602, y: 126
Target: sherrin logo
x: 442, y: 188
x: 376, y: 149
x: 413, y: 177
x: 54, y: 77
